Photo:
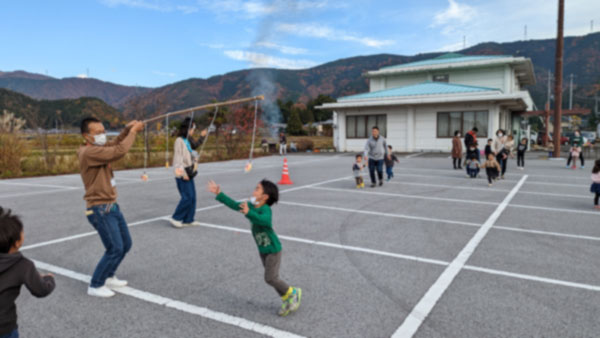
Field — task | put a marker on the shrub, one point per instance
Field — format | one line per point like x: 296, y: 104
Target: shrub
x: 305, y: 144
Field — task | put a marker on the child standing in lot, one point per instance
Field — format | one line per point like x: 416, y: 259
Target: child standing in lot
x: 16, y: 270
x: 492, y: 169
x: 575, y: 151
x: 472, y: 164
x: 357, y: 168
x: 390, y: 158
x: 488, y: 148
x: 521, y: 149
x: 595, y: 188
x: 258, y: 212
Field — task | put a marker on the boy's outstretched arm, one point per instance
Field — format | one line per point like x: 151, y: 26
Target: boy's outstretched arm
x: 221, y: 197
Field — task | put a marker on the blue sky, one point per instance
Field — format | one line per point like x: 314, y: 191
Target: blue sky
x: 157, y: 42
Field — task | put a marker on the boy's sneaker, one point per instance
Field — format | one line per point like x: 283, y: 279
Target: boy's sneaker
x: 568, y: 166
x: 362, y: 185
x: 489, y: 184
x: 176, y: 224
x: 292, y: 303
x: 114, y: 282
x: 380, y: 183
x: 582, y: 167
x: 102, y: 292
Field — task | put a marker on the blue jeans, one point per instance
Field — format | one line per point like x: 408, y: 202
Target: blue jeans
x: 389, y: 171
x: 108, y: 220
x: 186, y: 209
x: 14, y: 334
x: 376, y: 164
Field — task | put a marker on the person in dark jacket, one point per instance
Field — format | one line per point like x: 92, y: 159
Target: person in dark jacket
x: 471, y: 139
x: 488, y: 148
x: 15, y: 271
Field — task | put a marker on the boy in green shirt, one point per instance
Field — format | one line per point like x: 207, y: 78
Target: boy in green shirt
x: 258, y: 211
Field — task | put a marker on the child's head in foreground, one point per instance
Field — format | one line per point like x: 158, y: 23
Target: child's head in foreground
x: 596, y: 168
x: 11, y: 232
x: 358, y: 158
x: 390, y: 148
x: 490, y: 141
x: 266, y: 192
x: 491, y: 157
x: 524, y: 140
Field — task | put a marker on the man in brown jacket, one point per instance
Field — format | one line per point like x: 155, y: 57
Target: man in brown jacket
x: 103, y: 212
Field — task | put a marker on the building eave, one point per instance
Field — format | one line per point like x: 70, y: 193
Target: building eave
x: 428, y: 99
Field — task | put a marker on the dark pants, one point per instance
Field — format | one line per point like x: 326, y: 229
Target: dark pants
x: 596, y: 198
x: 456, y: 161
x: 14, y: 334
x: 389, y: 170
x: 520, y: 159
x: 272, y: 262
x: 376, y: 164
x: 472, y: 172
x: 580, y: 158
x: 108, y: 220
x: 492, y: 174
x: 359, y: 180
x: 186, y: 209
x: 502, y: 162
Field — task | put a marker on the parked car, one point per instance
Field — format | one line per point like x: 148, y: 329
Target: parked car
x: 589, y: 135
x: 540, y: 139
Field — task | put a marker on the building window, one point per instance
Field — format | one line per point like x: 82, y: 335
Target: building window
x: 359, y: 126
x: 449, y: 122
x: 441, y: 78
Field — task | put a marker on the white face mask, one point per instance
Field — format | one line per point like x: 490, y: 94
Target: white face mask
x: 253, y: 200
x: 500, y: 134
x: 100, y: 139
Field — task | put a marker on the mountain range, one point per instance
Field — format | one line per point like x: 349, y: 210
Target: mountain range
x: 337, y: 78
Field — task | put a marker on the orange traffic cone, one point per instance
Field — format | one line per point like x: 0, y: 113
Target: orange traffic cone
x: 285, y: 176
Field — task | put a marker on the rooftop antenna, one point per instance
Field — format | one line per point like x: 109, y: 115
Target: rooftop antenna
x: 525, y: 33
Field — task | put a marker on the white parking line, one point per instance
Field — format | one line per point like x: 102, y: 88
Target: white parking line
x: 414, y: 155
x: 507, y: 174
x: 454, y: 200
x: 420, y: 312
x: 489, y: 189
x: 177, y: 305
x: 381, y: 214
x: 38, y: 185
x: 577, y: 211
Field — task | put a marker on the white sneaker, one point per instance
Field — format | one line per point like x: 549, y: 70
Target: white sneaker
x: 176, y: 224
x: 193, y: 224
x: 102, y: 292
x: 114, y: 282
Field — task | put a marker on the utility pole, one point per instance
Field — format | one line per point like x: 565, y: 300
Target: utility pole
x: 559, y: 78
x: 571, y: 93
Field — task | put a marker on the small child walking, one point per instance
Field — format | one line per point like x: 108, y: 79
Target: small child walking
x: 492, y: 169
x: 390, y: 158
x: 521, y: 149
x: 16, y: 270
x: 595, y: 188
x: 357, y: 168
x: 258, y: 212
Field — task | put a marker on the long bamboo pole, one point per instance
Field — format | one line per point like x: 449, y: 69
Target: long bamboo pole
x: 206, y: 106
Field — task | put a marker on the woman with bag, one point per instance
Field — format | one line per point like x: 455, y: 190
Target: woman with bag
x: 183, y: 162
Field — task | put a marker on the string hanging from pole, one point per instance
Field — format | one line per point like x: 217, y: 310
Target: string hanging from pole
x: 210, y: 126
x: 167, y: 143
x: 248, y: 167
x: 144, y: 175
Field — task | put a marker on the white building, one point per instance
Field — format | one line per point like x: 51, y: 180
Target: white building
x: 418, y: 106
